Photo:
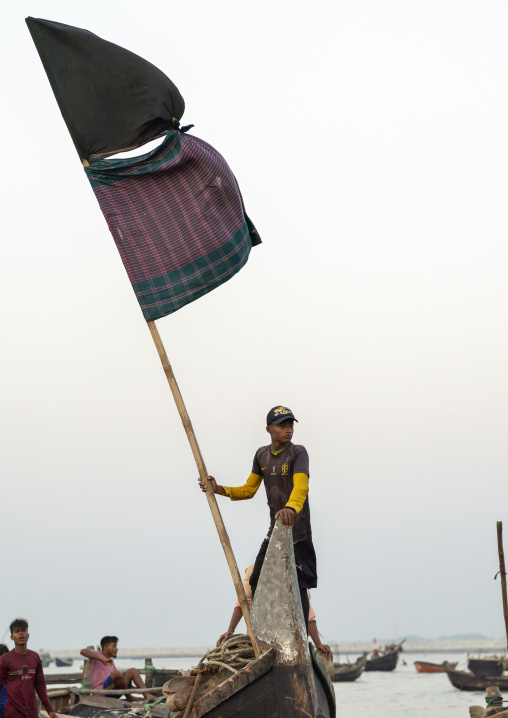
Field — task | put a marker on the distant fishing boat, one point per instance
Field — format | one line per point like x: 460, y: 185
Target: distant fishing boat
x: 349, y: 671
x: 428, y: 667
x: 63, y: 662
x: 45, y: 658
x: 386, y: 661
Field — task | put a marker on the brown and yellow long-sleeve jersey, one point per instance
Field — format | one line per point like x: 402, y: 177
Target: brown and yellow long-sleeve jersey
x: 285, y: 475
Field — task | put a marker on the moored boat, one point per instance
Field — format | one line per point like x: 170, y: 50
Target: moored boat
x: 45, y: 657
x: 487, y: 665
x: 428, y: 667
x: 386, y: 661
x: 63, y: 662
x: 77, y: 697
x: 349, y: 671
x: 466, y: 681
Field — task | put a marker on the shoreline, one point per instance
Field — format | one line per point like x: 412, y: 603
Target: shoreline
x: 487, y: 645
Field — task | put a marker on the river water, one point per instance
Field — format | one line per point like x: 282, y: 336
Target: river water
x: 403, y: 693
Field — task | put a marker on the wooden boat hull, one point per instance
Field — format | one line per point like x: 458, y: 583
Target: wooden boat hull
x: 272, y: 695
x: 63, y: 662
x: 388, y: 662
x: 348, y: 672
x: 466, y: 681
x: 427, y: 667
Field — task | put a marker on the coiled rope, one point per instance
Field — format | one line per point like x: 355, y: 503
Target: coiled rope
x: 233, y: 655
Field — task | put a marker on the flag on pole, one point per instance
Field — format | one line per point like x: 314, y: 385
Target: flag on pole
x: 176, y: 213
x: 177, y: 217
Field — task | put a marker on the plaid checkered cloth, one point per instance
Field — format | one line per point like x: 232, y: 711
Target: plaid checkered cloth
x: 178, y: 220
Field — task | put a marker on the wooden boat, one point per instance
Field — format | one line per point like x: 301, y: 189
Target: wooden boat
x: 386, y: 661
x: 45, y: 658
x: 74, y: 698
x: 288, y: 680
x: 466, y: 681
x: 487, y: 666
x: 427, y: 667
x: 349, y: 671
x: 63, y: 662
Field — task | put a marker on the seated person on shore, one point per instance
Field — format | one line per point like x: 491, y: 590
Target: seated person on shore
x: 3, y: 692
x: 104, y: 674
x: 236, y: 617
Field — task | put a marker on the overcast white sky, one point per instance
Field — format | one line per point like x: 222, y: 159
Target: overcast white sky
x: 369, y: 139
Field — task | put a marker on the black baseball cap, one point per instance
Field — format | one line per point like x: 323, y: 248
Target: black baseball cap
x: 279, y: 414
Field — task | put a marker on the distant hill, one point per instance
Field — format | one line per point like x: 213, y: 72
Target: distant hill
x: 413, y: 638
x: 462, y: 637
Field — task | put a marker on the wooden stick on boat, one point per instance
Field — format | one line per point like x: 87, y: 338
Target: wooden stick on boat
x: 190, y: 702
x: 114, y: 691
x: 212, y: 501
x: 502, y: 571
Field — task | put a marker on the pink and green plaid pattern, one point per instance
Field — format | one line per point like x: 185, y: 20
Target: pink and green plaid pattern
x: 178, y: 220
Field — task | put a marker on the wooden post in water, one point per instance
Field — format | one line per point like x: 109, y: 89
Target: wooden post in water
x: 212, y: 501
x: 149, y: 669
x: 502, y: 571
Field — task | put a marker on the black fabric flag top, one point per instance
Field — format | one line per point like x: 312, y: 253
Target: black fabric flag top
x: 110, y: 98
x: 176, y: 213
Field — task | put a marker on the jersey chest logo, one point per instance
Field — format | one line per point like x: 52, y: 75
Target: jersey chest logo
x: 285, y: 469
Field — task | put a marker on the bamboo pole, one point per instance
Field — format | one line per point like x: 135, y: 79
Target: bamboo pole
x: 502, y: 571
x: 212, y: 501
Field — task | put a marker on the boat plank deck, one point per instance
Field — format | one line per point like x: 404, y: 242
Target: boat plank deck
x: 226, y: 690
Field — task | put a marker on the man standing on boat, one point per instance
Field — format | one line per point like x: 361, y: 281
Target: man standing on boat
x: 21, y: 672
x: 283, y: 467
